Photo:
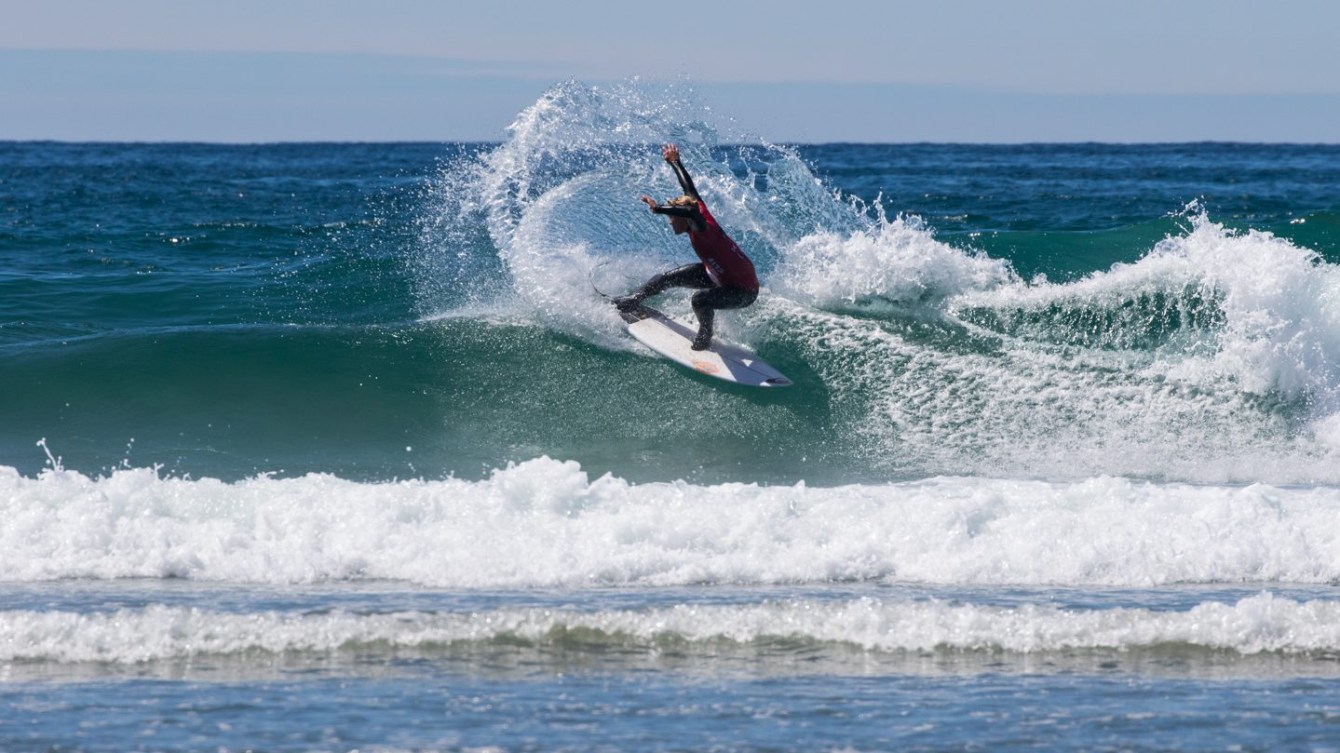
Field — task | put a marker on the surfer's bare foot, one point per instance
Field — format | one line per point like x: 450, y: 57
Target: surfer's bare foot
x: 627, y: 302
x: 702, y: 342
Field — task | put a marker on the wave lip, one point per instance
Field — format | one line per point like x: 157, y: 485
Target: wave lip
x: 547, y: 524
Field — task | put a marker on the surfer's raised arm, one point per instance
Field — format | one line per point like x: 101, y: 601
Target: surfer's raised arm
x: 684, y: 208
x: 671, y: 154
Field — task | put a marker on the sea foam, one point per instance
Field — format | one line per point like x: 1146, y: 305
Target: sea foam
x: 897, y: 261
x: 1212, y: 359
x: 546, y: 523
x: 1270, y: 310
x: 1253, y: 625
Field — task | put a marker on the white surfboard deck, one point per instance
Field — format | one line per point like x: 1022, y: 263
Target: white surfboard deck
x: 671, y: 338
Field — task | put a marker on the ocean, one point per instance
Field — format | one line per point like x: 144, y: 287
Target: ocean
x: 333, y: 447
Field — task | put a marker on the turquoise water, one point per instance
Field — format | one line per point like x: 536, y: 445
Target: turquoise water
x: 332, y: 447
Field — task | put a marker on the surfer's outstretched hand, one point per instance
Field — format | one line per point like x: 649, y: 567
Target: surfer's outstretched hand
x: 649, y: 201
x: 670, y: 152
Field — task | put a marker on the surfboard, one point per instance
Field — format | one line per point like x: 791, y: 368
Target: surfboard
x: 671, y: 338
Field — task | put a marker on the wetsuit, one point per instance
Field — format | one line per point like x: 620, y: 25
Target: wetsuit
x: 725, y: 278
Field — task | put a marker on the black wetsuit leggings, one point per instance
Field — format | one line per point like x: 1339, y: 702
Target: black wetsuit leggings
x: 709, y: 297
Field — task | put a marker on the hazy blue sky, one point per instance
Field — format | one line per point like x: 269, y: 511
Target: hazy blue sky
x: 862, y: 70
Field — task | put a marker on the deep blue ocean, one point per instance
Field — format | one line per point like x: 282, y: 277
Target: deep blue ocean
x: 333, y: 447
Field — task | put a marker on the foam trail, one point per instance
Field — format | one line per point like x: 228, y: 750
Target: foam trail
x: 545, y: 523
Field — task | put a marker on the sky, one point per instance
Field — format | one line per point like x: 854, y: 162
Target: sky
x: 1002, y: 71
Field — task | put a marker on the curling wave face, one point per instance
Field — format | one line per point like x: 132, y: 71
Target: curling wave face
x: 1211, y: 357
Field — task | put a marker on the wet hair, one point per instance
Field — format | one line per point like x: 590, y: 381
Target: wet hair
x: 682, y: 201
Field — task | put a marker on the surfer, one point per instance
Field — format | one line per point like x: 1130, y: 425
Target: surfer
x: 725, y: 278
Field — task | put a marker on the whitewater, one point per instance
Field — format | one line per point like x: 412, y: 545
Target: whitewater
x: 547, y: 524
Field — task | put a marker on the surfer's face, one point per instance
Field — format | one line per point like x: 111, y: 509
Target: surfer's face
x: 679, y: 225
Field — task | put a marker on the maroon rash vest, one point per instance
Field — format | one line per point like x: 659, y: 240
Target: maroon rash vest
x: 726, y: 264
